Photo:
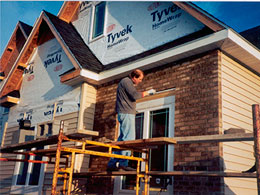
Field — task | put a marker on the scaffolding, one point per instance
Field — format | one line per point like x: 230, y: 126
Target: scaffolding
x: 142, y: 146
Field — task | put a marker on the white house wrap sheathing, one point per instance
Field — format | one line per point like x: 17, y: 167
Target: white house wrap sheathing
x: 41, y: 87
x: 125, y: 36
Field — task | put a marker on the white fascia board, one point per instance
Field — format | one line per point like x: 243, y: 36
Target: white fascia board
x: 198, y: 43
x: 89, y: 74
x: 246, y: 45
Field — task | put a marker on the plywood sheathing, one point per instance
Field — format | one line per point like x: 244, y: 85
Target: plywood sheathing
x: 14, y: 47
x: 68, y: 10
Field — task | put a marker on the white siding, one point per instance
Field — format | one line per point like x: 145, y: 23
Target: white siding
x: 240, y: 89
x: 7, y: 168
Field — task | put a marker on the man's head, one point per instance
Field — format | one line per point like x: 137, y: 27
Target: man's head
x: 137, y: 76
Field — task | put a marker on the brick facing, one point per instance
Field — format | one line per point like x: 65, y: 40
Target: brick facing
x: 197, y: 112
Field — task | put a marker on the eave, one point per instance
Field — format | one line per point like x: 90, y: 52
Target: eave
x: 225, y: 40
x: 68, y: 10
x: 15, y: 75
x: 11, y: 51
x: 9, y: 101
x: 201, y: 16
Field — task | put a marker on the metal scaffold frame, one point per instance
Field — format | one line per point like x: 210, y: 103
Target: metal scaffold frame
x: 142, y: 146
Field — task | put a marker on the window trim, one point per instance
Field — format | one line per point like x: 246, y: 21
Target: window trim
x: 160, y: 101
x: 93, y: 19
x: 32, y: 189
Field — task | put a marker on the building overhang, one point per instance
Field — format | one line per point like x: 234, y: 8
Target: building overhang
x: 225, y: 40
x: 9, y: 101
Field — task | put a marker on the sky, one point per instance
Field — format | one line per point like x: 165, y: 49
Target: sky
x: 238, y: 15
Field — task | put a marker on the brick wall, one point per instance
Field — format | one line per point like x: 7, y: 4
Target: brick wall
x: 197, y: 112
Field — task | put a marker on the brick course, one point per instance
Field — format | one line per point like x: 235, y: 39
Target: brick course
x: 197, y: 112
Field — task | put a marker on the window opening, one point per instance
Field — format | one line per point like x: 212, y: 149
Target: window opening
x: 21, y: 178
x: 158, y: 157
x: 42, y: 129
x: 36, y: 170
x: 158, y: 127
x: 29, y: 173
x: 99, y: 19
x: 49, y: 128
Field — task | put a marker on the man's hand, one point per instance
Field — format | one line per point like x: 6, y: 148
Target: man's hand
x: 151, y: 91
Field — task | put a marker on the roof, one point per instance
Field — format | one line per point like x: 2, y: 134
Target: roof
x: 13, y: 47
x: 252, y: 35
x: 70, y: 41
x: 27, y: 28
x: 76, y: 44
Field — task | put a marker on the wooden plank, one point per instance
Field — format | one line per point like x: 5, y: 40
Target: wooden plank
x: 143, y: 143
x: 45, y: 141
x: 140, y: 143
x: 215, y: 138
x: 104, y: 173
x: 85, y: 131
x: 169, y: 173
x: 203, y: 173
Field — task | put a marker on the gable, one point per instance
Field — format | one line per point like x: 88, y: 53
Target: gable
x: 132, y: 28
x: 41, y: 87
x: 48, y: 27
x: 13, y: 48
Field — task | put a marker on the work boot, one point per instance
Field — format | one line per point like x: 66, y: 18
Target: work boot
x: 127, y: 168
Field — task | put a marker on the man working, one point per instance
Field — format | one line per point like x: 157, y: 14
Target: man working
x: 126, y: 108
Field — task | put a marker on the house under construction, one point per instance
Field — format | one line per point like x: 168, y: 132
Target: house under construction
x: 194, y: 136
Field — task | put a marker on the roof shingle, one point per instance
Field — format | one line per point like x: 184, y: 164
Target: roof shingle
x: 76, y: 44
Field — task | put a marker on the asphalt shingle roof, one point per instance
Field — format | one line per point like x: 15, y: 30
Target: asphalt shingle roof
x: 27, y: 28
x: 76, y: 44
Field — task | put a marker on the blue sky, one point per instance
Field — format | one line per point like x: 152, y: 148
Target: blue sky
x: 238, y: 15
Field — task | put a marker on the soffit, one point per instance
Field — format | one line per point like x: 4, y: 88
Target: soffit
x: 68, y: 10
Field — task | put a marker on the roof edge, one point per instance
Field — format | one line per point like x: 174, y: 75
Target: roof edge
x: 25, y: 46
x: 201, y: 15
x: 59, y: 38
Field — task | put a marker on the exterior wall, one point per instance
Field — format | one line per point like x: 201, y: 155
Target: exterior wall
x: 87, y: 110
x: 241, y: 89
x: 72, y: 119
x: 7, y: 168
x: 79, y: 121
x: 125, y: 35
x: 197, y: 112
x: 82, y: 120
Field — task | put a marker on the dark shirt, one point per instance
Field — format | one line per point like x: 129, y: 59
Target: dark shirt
x: 126, y: 97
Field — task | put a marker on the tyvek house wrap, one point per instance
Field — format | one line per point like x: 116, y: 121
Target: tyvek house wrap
x: 131, y: 28
x: 41, y: 87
